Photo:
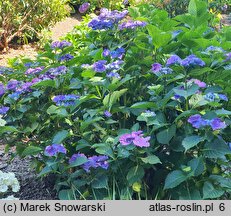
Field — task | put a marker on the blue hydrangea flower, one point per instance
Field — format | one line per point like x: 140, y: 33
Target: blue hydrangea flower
x: 192, y: 61
x: 4, y: 110
x: 210, y: 96
x: 60, y: 44
x: 223, y: 97
x: 65, y: 100
x: 131, y: 25
x: 15, y: 95
x: 12, y: 85
x: 116, y: 65
x: 95, y: 162
x: 174, y: 59
x: 2, y: 89
x: 99, y: 66
x: 217, y: 124
x: 54, y: 149
x: 66, y: 57
x: 212, y: 49
x: 107, y: 114
x: 197, y: 121
x: 228, y: 56
x: 113, y: 75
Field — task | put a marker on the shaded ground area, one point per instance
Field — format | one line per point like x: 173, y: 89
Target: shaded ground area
x: 59, y: 30
x: 32, y: 188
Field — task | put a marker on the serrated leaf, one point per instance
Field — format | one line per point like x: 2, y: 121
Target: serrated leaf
x: 191, y: 141
x: 197, y: 166
x: 60, y: 136
x: 100, y: 182
x: 216, y: 149
x: 174, y: 178
x: 152, y: 159
x: 209, y: 192
x: 31, y: 150
x: 166, y: 135
x: 144, y: 105
x: 135, y: 174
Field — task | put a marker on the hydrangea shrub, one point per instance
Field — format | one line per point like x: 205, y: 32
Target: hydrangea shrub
x: 140, y: 110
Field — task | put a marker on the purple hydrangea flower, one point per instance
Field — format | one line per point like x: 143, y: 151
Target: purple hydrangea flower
x: 107, y: 114
x: 65, y: 100
x: 217, y: 124
x: 156, y: 67
x: 99, y: 66
x: 136, y: 138
x: 84, y: 7
x: 60, y: 44
x: 131, y: 25
x: 97, y: 24
x: 54, y: 149
x: 32, y: 71
x: 166, y: 70
x: 12, y: 85
x: 192, y: 61
x: 4, y: 110
x: 66, y: 57
x: 174, y: 59
x: 223, y: 97
x: 106, y: 52
x: 54, y: 72
x: 197, y: 121
x: 228, y: 56
x: 199, y: 83
x: 74, y: 157
x: 2, y: 89
x: 95, y: 162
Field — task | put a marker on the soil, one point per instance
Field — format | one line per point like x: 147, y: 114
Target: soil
x: 60, y: 29
x: 31, y: 187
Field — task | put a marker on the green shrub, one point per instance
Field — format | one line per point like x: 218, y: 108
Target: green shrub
x: 115, y: 114
x: 26, y: 18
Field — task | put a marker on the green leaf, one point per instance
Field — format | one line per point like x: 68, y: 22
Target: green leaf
x: 197, y: 166
x: 166, y: 135
x: 111, y: 98
x: 60, y: 136
x: 4, y: 129
x: 216, y: 149
x: 209, y: 192
x: 79, y: 161
x: 222, y: 181
x: 152, y: 159
x: 191, y: 141
x: 159, y: 38
x: 135, y: 174
x: 192, y: 8
x: 190, y: 194
x: 59, y: 111
x: 174, y: 178
x: 104, y: 149
x: 66, y: 195
x: 143, y: 105
x: 31, y: 150
x: 186, y: 93
x: 223, y: 112
x: 100, y: 182
x: 88, y: 74
x: 45, y: 83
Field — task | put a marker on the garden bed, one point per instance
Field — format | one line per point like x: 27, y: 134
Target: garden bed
x: 31, y: 187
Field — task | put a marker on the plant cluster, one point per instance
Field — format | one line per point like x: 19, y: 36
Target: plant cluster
x: 25, y: 19
x: 8, y: 180
x: 132, y: 105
